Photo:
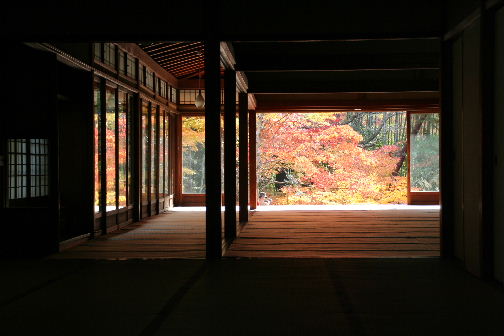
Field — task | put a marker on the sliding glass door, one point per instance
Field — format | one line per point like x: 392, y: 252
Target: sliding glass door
x: 155, y: 158
x: 113, y: 154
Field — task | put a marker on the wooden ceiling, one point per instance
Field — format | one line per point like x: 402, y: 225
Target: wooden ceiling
x: 181, y: 59
x: 329, y: 74
x: 397, y: 73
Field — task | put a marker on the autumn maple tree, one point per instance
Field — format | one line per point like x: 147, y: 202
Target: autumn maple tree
x: 323, y: 160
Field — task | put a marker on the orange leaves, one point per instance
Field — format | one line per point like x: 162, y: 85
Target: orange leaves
x: 193, y: 131
x: 327, y: 160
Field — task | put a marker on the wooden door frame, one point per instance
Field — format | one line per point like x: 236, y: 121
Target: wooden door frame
x: 182, y: 199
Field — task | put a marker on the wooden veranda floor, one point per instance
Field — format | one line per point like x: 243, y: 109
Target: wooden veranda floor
x: 176, y: 234
x: 399, y: 233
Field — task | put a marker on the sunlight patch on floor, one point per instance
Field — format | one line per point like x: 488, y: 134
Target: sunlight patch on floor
x: 187, y: 208
x: 347, y: 207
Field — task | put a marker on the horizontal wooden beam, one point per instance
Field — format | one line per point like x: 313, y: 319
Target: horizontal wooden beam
x: 384, y: 86
x: 368, y: 108
x: 328, y: 62
x: 334, y: 68
x: 227, y: 55
x: 358, y: 105
x: 355, y: 81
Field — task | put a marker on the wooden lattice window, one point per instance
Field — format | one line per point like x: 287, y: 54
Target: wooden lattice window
x: 28, y: 172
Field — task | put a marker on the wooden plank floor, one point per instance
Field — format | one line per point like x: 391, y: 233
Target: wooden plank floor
x: 398, y: 233
x: 289, y: 234
x: 175, y: 234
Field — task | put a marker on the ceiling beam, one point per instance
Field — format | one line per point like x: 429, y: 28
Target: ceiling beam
x: 338, y: 55
x: 359, y: 105
x: 378, y: 86
x: 227, y: 55
x: 356, y: 81
x: 327, y: 62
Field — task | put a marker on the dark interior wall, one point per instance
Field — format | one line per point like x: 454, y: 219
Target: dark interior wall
x: 458, y: 10
x: 239, y: 19
x: 477, y: 242
x: 472, y: 145
x: 499, y: 148
x: 29, y: 109
x: 75, y: 145
x: 309, y: 19
x: 71, y: 21
x: 30, y: 95
x: 50, y: 100
x: 468, y: 145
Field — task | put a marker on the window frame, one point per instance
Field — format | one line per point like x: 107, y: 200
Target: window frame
x: 103, y: 84
x: 27, y: 199
x: 420, y: 197
x: 173, y: 95
x: 181, y: 198
x: 111, y: 62
x: 133, y: 65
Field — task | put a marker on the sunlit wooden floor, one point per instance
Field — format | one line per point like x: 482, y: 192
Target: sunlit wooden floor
x: 349, y: 232
x: 406, y: 232
x: 176, y: 234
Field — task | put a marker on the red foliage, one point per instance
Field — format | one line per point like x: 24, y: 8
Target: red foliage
x: 327, y: 161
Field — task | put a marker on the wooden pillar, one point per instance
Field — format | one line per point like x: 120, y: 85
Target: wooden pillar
x: 89, y: 155
x: 136, y: 183
x: 54, y: 166
x: 253, y: 159
x: 487, y: 89
x: 230, y: 154
x: 176, y: 158
x: 213, y: 150
x: 447, y: 151
x: 103, y: 160
x: 243, y: 155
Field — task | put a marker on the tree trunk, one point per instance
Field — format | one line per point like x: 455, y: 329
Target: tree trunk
x: 366, y: 143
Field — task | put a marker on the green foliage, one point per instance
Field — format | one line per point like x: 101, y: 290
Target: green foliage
x: 425, y: 153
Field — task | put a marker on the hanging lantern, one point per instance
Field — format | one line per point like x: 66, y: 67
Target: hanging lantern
x: 199, y: 101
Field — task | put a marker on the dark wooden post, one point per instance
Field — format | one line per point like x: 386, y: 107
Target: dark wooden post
x: 213, y: 150
x: 177, y: 159
x: 253, y: 159
x: 89, y: 156
x: 230, y: 154
x: 103, y: 161
x: 155, y: 155
x: 447, y: 149
x: 243, y: 155
x: 148, y: 161
x: 136, y: 129
x: 54, y: 167
x: 487, y: 89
